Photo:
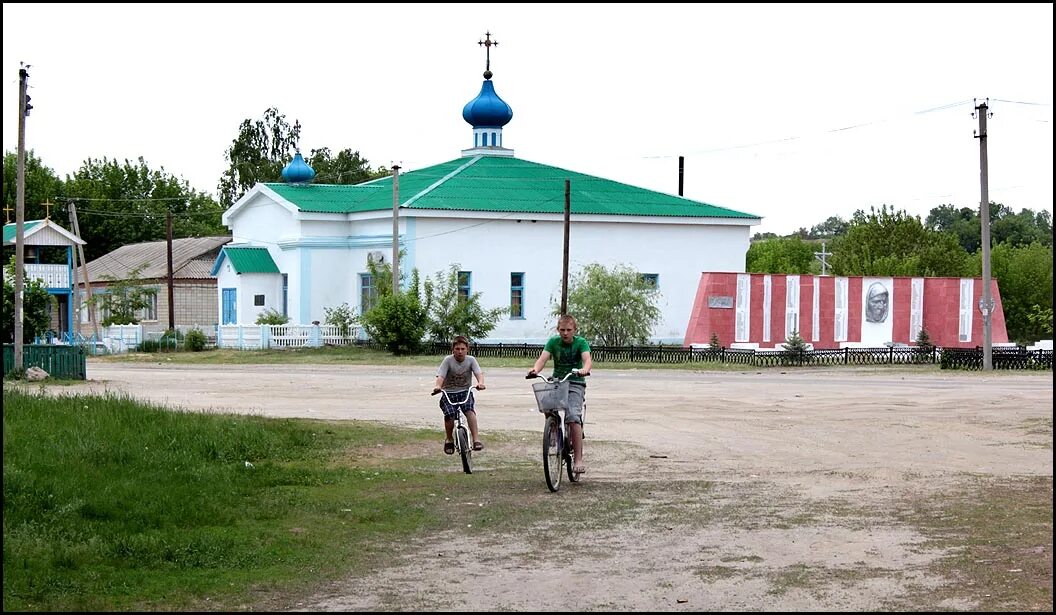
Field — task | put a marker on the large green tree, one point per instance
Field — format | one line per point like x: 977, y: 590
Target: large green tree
x: 1024, y: 277
x: 42, y: 186
x: 347, y: 167
x: 781, y: 255
x: 614, y: 307
x: 258, y: 154
x: 1006, y: 226
x: 893, y: 243
x: 124, y: 203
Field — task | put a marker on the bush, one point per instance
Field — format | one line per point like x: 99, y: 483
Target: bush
x: 397, y: 322
x: 341, y: 317
x: 149, y: 346
x: 195, y: 340
x: 271, y: 316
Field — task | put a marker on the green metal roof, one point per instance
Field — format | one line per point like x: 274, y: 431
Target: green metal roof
x: 246, y: 259
x: 498, y: 184
x: 11, y: 229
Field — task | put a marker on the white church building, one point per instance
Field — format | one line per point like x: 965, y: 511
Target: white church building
x: 301, y: 247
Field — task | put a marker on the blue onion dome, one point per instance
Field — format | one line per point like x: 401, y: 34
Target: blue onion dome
x: 298, y: 171
x: 487, y: 110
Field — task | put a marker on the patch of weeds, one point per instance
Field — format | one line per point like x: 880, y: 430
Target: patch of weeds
x: 999, y: 536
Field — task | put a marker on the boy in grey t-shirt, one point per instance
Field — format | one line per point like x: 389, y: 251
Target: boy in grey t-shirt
x: 455, y: 376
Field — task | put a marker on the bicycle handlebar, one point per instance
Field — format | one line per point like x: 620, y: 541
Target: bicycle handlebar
x: 575, y: 372
x: 448, y: 397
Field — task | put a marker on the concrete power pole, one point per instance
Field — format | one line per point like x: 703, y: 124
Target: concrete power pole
x: 986, y: 304
x: 564, y: 266
x: 395, y: 229
x: 168, y: 252
x: 20, y: 212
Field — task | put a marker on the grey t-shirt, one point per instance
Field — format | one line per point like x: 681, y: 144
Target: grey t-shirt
x: 457, y: 376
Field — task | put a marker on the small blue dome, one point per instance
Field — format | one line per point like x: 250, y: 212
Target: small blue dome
x: 298, y: 171
x: 487, y: 110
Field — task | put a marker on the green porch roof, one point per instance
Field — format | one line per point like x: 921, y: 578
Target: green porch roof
x: 498, y: 184
x: 246, y: 259
x: 11, y: 229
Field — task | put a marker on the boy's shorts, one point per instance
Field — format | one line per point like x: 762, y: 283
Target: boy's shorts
x: 451, y: 410
x: 577, y: 394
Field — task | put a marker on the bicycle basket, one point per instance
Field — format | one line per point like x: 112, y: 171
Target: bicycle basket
x: 551, y: 395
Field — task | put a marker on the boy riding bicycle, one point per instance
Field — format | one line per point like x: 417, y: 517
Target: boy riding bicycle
x: 569, y: 351
x: 455, y: 376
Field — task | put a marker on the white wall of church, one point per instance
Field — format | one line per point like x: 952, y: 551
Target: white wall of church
x: 324, y: 263
x: 676, y: 253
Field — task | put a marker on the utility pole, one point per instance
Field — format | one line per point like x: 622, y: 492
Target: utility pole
x: 681, y: 172
x: 821, y: 257
x: 986, y: 304
x: 168, y: 250
x: 20, y: 212
x: 84, y: 273
x: 564, y: 267
x: 395, y: 229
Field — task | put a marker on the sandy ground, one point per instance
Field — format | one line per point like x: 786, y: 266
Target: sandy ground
x: 770, y: 440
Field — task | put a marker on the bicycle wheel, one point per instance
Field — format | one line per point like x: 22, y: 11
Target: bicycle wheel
x: 553, y: 447
x: 464, y: 449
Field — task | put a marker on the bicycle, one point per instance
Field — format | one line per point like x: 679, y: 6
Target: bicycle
x: 551, y: 395
x: 460, y: 431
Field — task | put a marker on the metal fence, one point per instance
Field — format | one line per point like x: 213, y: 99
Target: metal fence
x: 951, y: 358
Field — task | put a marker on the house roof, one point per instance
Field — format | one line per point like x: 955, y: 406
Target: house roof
x: 246, y: 259
x: 40, y: 233
x: 498, y: 184
x: 192, y: 258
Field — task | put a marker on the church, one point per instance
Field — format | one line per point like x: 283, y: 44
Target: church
x: 300, y: 248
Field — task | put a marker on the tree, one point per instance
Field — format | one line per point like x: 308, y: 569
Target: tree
x: 614, y: 307
x: 398, y: 322
x: 345, y: 168
x: 258, y: 154
x: 782, y: 255
x: 123, y: 298
x: 893, y: 243
x: 451, y: 315
x: 1020, y: 229
x: 42, y: 185
x: 120, y: 204
x: 834, y: 226
x: 36, y: 306
x: 1024, y: 275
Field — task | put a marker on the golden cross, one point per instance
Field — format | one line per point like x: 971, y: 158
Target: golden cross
x: 7, y: 215
x: 47, y: 209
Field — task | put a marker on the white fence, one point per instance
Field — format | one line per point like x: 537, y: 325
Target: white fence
x: 121, y: 338
x: 258, y: 337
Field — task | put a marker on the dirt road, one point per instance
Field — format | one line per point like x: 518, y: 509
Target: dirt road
x: 813, y: 437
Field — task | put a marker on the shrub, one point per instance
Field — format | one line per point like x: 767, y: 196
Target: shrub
x: 271, y: 316
x: 397, y: 322
x: 195, y: 340
x: 341, y: 317
x: 714, y: 342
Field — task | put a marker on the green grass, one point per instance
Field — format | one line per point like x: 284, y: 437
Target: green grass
x: 113, y: 505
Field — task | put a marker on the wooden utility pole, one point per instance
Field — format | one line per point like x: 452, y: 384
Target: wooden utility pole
x: 168, y: 251
x: 681, y: 172
x: 20, y: 213
x: 84, y: 273
x: 564, y: 267
x: 395, y: 229
x: 986, y: 304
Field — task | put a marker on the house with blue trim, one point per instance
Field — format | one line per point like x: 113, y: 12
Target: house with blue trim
x: 301, y: 247
x: 42, y: 240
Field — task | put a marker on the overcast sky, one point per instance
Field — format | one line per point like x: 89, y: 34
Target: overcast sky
x: 791, y: 112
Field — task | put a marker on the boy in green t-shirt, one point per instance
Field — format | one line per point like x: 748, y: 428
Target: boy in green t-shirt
x: 570, y: 351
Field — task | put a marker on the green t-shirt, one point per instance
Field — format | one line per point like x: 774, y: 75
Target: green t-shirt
x: 567, y: 356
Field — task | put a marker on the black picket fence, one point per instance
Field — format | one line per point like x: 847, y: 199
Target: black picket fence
x: 950, y: 358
